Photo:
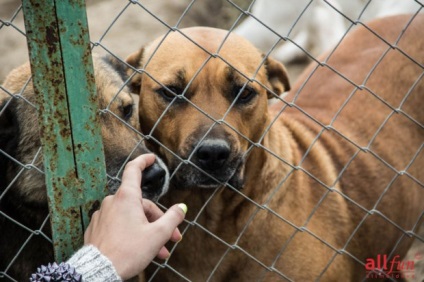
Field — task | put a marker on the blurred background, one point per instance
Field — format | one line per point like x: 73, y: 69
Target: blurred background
x: 130, y: 25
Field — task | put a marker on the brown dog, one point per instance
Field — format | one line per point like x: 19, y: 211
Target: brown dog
x: 314, y: 188
x: 23, y: 200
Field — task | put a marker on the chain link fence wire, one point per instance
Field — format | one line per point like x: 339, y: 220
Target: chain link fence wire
x: 118, y: 28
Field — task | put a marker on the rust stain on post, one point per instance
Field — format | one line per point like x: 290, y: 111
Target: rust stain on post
x: 63, y: 78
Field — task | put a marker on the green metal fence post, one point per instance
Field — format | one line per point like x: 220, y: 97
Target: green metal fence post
x: 63, y: 78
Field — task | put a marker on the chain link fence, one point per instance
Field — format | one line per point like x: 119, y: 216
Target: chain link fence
x: 294, y: 32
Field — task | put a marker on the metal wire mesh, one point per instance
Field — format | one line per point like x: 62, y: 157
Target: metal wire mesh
x: 152, y: 21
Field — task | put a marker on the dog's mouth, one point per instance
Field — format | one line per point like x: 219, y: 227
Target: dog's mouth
x: 211, y: 165
x: 191, y: 176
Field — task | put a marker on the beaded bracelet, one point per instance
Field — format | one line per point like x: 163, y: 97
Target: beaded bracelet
x: 55, y: 273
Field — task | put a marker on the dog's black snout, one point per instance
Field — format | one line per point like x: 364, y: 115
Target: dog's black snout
x: 153, y: 179
x: 212, y: 155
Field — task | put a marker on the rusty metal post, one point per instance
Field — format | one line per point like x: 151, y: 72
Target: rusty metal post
x: 63, y: 78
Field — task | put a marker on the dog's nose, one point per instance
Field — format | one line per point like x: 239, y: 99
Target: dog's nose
x: 153, y: 180
x: 212, y: 154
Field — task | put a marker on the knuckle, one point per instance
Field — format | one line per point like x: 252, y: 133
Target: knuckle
x: 147, y: 204
x: 106, y: 201
x: 95, y: 215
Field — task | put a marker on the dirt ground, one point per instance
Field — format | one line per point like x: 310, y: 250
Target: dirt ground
x: 121, y: 27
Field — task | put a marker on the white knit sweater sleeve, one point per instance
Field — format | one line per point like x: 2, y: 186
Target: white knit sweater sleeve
x: 93, y: 265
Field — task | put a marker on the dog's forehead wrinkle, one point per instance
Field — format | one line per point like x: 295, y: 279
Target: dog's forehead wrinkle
x: 234, y: 75
x: 229, y: 73
x: 181, y: 75
x: 178, y: 80
x: 173, y: 75
x: 242, y: 74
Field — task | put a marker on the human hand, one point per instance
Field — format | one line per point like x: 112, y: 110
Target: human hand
x: 130, y: 230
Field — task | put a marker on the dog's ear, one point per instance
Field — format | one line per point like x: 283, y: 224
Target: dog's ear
x: 135, y: 60
x: 277, y: 77
x: 118, y: 65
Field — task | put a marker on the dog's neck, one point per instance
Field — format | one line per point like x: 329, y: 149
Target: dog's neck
x: 267, y: 167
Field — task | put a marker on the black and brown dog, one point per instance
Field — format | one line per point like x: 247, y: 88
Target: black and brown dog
x: 302, y: 190
x: 23, y: 199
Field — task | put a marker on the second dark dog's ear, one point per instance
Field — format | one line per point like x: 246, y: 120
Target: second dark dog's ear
x: 277, y: 77
x: 117, y: 65
x: 135, y: 60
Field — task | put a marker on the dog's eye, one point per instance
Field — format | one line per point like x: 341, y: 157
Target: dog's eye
x: 245, y: 94
x: 169, y: 92
x: 127, y: 111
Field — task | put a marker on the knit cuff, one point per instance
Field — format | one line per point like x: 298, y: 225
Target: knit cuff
x: 93, y: 265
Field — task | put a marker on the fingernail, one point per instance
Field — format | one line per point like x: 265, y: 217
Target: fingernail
x: 183, y: 207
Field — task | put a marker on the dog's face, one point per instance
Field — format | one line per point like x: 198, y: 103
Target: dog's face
x: 19, y: 135
x: 224, y: 108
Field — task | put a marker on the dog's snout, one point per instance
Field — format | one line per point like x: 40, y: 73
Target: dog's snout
x: 154, y: 174
x: 213, y: 154
x: 153, y: 179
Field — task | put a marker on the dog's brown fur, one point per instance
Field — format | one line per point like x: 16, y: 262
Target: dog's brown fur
x: 22, y: 191
x: 316, y: 183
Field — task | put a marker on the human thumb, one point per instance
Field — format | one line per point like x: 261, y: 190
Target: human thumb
x: 170, y: 220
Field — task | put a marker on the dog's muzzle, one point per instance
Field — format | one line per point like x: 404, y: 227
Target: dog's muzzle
x: 214, y: 164
x: 155, y: 180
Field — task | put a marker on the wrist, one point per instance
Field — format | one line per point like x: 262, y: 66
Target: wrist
x: 93, y: 265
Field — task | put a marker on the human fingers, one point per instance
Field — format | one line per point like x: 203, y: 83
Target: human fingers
x: 170, y: 220
x: 153, y: 212
x: 176, y: 236
x: 174, y: 215
x: 131, y: 178
x: 163, y: 253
